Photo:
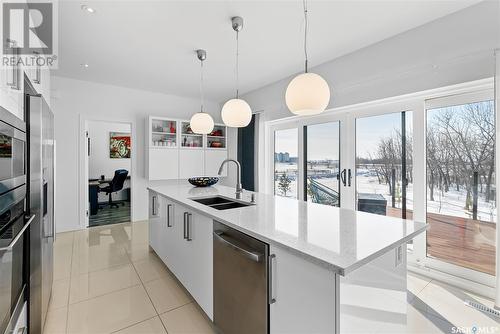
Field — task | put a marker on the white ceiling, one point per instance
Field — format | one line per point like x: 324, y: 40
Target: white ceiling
x: 150, y: 44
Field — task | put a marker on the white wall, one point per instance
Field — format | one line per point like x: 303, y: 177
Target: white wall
x: 454, y: 49
x: 72, y: 99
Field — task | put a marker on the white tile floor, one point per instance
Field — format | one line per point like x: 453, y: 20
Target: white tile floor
x: 107, y: 281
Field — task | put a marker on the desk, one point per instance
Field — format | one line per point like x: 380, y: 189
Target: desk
x: 94, y: 193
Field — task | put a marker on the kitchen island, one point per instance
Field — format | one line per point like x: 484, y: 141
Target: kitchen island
x: 331, y: 270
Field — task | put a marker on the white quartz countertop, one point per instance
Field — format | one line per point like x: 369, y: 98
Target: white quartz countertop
x: 341, y: 240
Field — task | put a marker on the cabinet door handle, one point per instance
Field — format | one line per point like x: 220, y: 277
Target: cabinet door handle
x: 13, y: 82
x: 189, y: 224
x: 185, y: 222
x: 153, y: 208
x: 271, y: 278
x: 38, y: 71
x: 349, y: 177
x: 169, y: 215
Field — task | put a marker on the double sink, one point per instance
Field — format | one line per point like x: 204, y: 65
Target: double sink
x: 221, y: 202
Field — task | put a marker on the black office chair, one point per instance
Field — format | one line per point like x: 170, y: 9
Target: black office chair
x: 114, y: 185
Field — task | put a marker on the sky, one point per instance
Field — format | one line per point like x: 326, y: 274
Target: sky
x: 323, y: 139
x: 370, y: 130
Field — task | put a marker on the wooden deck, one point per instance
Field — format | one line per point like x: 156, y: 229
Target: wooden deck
x: 460, y: 241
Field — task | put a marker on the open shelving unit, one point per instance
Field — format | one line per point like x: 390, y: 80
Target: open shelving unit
x: 189, y: 139
x: 163, y: 133
x: 217, y: 138
x: 174, y: 152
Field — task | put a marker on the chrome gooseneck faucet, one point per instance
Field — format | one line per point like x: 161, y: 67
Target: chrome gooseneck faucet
x: 239, y: 188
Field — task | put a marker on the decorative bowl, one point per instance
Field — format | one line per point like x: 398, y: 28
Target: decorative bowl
x: 203, y: 181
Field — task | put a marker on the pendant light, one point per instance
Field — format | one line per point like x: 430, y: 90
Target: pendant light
x: 201, y: 122
x: 307, y: 93
x: 236, y: 112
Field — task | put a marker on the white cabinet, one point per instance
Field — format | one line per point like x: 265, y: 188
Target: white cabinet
x: 304, y: 295
x: 173, y: 151
x: 162, y: 154
x: 40, y: 79
x: 191, y: 163
x: 183, y: 240
x: 163, y: 164
x: 194, y: 258
x: 156, y: 226
x: 11, y: 77
x: 154, y: 221
x: 12, y: 90
x: 198, y: 246
x: 213, y: 160
x: 11, y: 94
x: 173, y: 237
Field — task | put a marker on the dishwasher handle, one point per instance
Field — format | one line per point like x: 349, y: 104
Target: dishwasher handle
x: 219, y: 235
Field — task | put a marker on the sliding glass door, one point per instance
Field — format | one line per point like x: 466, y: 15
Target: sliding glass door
x: 383, y: 170
x: 461, y: 192
x: 322, y: 163
x: 432, y: 160
x: 286, y: 162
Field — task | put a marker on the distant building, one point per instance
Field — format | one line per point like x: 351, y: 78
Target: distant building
x: 282, y: 157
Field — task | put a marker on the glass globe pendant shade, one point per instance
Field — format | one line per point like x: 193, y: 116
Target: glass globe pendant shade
x: 202, y: 123
x: 307, y: 94
x: 236, y: 113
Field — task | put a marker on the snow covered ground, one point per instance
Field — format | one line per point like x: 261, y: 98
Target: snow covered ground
x: 451, y: 203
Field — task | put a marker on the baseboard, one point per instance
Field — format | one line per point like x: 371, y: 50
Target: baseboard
x: 458, y: 282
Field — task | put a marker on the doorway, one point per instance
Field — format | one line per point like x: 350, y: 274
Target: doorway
x: 108, y: 170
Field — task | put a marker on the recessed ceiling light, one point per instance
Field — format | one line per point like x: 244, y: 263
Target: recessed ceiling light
x: 84, y: 65
x: 88, y: 9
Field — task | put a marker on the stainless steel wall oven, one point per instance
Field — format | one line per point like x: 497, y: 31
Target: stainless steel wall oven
x: 14, y: 224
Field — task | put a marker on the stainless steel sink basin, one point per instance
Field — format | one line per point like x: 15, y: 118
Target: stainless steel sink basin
x: 221, y: 203
x: 212, y: 200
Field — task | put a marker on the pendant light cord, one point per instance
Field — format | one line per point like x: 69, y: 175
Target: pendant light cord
x: 201, y: 86
x: 305, y: 34
x: 237, y: 65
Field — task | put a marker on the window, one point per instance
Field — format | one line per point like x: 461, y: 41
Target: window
x: 286, y: 162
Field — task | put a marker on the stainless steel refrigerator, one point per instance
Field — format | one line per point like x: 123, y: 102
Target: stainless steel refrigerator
x: 40, y: 123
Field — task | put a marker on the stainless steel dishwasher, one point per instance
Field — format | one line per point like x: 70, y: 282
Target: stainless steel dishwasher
x: 240, y: 282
